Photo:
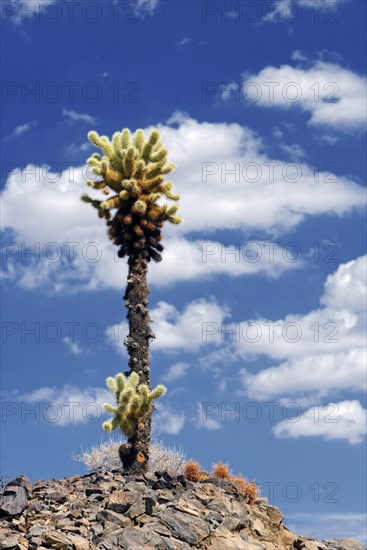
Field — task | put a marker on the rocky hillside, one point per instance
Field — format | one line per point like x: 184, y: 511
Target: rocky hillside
x: 158, y: 511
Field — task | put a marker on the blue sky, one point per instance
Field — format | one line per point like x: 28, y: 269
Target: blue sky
x: 272, y: 253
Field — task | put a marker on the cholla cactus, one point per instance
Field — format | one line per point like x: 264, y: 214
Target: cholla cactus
x: 133, y: 402
x: 134, y: 169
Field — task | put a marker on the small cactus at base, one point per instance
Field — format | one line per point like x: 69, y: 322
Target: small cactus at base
x: 222, y: 471
x: 252, y: 490
x: 133, y: 402
x: 192, y: 470
x: 241, y: 483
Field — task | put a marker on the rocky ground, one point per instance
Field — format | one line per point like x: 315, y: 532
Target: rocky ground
x: 158, y: 511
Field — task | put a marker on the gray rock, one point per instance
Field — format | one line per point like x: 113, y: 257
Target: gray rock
x: 121, y: 501
x: 343, y: 544
x: 57, y: 540
x: 8, y: 542
x: 133, y: 539
x: 136, y: 509
x: 13, y: 500
x: 113, y: 517
x: 186, y: 527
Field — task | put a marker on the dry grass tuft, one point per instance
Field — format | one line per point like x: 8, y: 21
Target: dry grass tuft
x: 253, y: 492
x: 105, y: 457
x: 222, y: 471
x: 192, y: 470
x: 241, y: 483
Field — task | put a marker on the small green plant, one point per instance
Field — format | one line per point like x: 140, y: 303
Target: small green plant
x: 133, y: 402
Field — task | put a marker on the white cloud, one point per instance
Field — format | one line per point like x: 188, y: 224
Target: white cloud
x: 328, y: 353
x: 147, y: 7
x: 291, y: 11
x: 297, y: 55
x: 22, y: 129
x: 205, y: 420
x: 294, y: 151
x: 328, y: 139
x: 176, y: 372
x: 165, y: 420
x: 175, y: 330
x: 50, y: 211
x: 72, y: 346
x: 75, y: 149
x: 313, y: 374
x: 68, y: 405
x: 346, y: 288
x: 19, y: 10
x: 73, y: 116
x: 144, y: 8
x: 345, y: 420
x: 334, y: 96
x: 342, y: 525
x: 183, y: 41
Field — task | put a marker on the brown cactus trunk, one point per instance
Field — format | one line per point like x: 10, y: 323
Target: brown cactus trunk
x: 135, y: 453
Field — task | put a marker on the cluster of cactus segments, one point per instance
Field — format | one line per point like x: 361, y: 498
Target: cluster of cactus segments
x: 194, y: 472
x: 132, y: 169
x: 133, y: 402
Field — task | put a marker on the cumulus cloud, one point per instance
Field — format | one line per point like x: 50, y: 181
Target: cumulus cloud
x: 320, y: 374
x: 72, y: 346
x: 205, y: 418
x: 323, y: 351
x: 176, y: 372
x: 50, y: 211
x: 67, y: 405
x: 176, y: 330
x: 166, y: 420
x: 332, y: 95
x: 346, y: 288
x: 344, y: 420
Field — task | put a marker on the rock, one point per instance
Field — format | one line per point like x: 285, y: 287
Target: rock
x: 136, y: 509
x: 8, y: 542
x: 120, y: 501
x: 13, y: 500
x: 57, y: 540
x: 275, y: 514
x: 93, y: 491
x: 343, y: 544
x: 79, y: 543
x: 132, y: 539
x: 56, y: 496
x: 113, y: 517
x: 186, y: 527
x: 37, y: 530
x: 161, y: 511
x: 150, y: 504
x: 162, y: 484
x: 150, y: 478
